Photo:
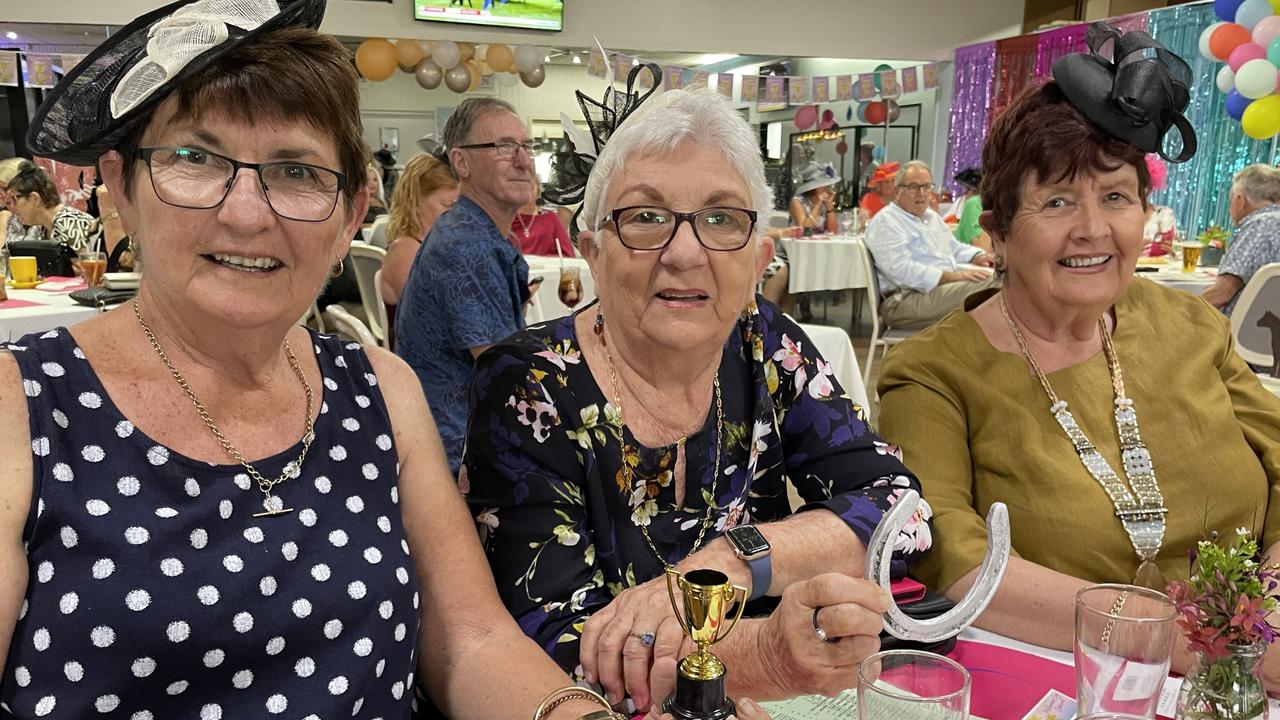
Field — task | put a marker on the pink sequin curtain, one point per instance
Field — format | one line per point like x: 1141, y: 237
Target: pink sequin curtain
x: 1056, y: 43
x: 1015, y: 70
x: 975, y: 67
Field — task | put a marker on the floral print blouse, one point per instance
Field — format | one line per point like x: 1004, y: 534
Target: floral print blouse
x: 542, y: 469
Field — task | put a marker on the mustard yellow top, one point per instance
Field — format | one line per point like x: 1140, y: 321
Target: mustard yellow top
x: 974, y: 424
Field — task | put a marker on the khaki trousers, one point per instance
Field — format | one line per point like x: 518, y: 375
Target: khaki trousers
x: 911, y: 310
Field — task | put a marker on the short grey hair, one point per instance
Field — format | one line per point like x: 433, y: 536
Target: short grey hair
x: 701, y: 117
x: 1259, y: 184
x: 902, y: 171
x: 466, y: 115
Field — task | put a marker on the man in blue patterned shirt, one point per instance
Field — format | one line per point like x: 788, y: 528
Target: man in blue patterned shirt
x: 1255, y: 210
x: 469, y: 284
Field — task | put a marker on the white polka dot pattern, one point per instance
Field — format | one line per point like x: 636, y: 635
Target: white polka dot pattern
x: 150, y: 574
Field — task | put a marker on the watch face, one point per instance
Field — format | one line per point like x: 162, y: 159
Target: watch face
x: 748, y: 540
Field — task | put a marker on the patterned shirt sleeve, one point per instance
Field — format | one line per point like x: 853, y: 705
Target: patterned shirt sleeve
x: 833, y: 456
x: 1253, y: 247
x: 521, y: 477
x: 481, y: 310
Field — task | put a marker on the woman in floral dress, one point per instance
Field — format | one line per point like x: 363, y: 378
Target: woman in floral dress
x: 629, y: 437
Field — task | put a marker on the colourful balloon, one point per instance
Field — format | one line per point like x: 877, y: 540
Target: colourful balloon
x: 534, y: 78
x: 842, y: 147
x: 1225, y: 38
x: 466, y: 51
x: 862, y: 112
x: 1273, y: 52
x: 1226, y: 9
x: 1244, y: 54
x: 1252, y: 12
x: 446, y: 54
x: 376, y: 59
x: 879, y: 69
x: 1236, y: 105
x: 499, y: 57
x: 1256, y: 79
x: 1206, y: 51
x: 1266, y: 31
x: 428, y: 74
x: 1226, y: 80
x: 458, y: 78
x: 408, y: 54
x: 806, y: 117
x: 527, y: 58
x: 877, y: 112
x: 893, y: 110
x: 1275, y: 6
x: 1261, y: 120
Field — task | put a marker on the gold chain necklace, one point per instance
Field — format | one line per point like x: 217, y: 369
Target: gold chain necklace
x: 629, y: 475
x: 1140, y: 505
x: 272, y: 504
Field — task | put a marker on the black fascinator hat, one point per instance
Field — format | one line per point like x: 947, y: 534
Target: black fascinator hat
x: 969, y: 178
x: 125, y: 77
x: 1137, y: 96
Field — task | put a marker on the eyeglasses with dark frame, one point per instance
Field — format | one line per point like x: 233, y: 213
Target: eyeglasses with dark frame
x: 652, y: 227
x: 198, y: 179
x: 505, y: 149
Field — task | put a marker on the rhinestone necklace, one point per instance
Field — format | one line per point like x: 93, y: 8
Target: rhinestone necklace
x: 272, y: 505
x: 1139, y: 506
x: 628, y: 474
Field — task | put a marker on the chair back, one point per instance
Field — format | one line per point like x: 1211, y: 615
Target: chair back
x: 383, y: 322
x: 1255, y: 320
x: 367, y: 261
x: 348, y: 325
x: 378, y: 232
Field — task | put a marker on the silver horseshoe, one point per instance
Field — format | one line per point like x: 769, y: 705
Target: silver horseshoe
x: 950, y: 623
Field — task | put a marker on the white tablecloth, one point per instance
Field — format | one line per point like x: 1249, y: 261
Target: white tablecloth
x: 833, y: 263
x: 834, y: 346
x: 54, y: 310
x: 1170, y: 275
x: 546, y: 303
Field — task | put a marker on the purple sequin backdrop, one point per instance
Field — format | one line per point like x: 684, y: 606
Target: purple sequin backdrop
x: 975, y: 70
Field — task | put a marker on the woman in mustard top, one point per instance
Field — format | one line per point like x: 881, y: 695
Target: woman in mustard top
x: 1029, y: 395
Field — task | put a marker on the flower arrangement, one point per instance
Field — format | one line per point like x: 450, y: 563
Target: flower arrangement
x: 1214, y: 237
x: 1223, y: 610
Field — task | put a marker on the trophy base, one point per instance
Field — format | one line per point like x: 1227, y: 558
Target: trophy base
x: 699, y: 700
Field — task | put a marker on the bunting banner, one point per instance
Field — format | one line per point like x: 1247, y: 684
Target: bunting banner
x: 866, y: 88
x: 9, y: 69
x: 775, y: 94
x: 701, y: 79
x: 40, y: 71
x: 931, y: 76
x: 910, y: 81
x: 724, y: 84
x: 672, y: 77
x: 889, y: 84
x: 821, y: 89
x: 844, y: 88
x: 596, y: 66
x: 622, y: 67
x: 798, y: 90
x: 749, y: 89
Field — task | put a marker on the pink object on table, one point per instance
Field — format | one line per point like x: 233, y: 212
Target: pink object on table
x: 1008, y: 683
x: 59, y: 284
x: 14, y: 304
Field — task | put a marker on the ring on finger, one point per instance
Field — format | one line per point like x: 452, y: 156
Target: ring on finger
x: 646, y: 638
x: 817, y: 629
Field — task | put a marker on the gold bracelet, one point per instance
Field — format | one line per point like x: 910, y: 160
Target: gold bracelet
x: 574, y: 692
x: 1116, y: 607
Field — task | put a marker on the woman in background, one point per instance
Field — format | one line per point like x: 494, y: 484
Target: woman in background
x: 1161, y: 227
x: 968, y: 208
x: 11, y: 228
x: 426, y: 190
x: 36, y: 203
x: 538, y: 232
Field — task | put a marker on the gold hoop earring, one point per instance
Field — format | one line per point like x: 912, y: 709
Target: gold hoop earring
x: 335, y: 272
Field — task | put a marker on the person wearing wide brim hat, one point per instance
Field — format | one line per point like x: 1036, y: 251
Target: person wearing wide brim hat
x: 812, y: 206
x: 882, y: 192
x: 234, y: 519
x: 968, y: 209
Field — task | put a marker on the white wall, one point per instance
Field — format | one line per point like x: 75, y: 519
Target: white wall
x: 813, y: 28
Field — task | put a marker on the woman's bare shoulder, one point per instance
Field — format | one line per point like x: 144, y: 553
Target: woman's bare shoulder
x: 15, y: 450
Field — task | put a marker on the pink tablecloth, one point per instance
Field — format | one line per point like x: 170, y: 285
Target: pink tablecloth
x: 14, y: 304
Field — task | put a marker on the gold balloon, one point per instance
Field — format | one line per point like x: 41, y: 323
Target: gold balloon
x: 376, y: 59
x: 408, y: 54
x: 466, y: 51
x: 473, y: 67
x: 499, y: 57
x: 485, y: 70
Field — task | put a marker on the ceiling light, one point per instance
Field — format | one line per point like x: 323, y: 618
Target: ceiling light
x: 713, y: 58
x: 546, y: 59
x: 11, y: 35
x: 577, y: 60
x: 635, y: 62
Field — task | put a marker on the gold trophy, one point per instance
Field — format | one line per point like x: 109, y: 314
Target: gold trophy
x: 700, y: 680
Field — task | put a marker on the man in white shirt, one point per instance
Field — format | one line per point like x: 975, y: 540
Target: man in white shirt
x: 919, y: 263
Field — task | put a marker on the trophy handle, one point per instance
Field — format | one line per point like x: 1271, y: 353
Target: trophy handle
x: 671, y: 593
x: 740, y: 597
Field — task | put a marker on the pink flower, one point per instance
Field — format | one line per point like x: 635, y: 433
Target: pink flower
x: 791, y: 359
x: 820, y: 387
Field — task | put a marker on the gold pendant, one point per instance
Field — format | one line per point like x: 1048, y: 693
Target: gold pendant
x: 273, y: 506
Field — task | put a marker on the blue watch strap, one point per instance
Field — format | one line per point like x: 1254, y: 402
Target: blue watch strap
x: 761, y: 575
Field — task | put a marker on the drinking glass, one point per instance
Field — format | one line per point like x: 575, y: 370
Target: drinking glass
x: 912, y: 683
x: 1190, y: 256
x: 570, y: 289
x: 846, y: 219
x: 1123, y: 642
x: 93, y: 264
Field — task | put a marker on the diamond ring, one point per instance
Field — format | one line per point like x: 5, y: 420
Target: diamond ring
x: 817, y: 629
x: 646, y: 639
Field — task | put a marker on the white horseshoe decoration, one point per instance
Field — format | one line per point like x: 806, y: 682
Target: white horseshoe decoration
x: 880, y: 552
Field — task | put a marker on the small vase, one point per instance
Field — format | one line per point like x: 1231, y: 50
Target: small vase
x: 1226, y: 688
x: 1211, y: 256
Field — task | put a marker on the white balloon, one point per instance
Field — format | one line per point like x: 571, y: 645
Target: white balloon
x: 1251, y: 12
x: 1256, y: 79
x: 446, y: 54
x: 1204, y: 42
x: 1226, y: 79
x: 507, y: 79
x: 528, y: 58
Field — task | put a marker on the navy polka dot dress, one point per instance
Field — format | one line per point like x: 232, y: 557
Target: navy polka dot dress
x: 155, y: 594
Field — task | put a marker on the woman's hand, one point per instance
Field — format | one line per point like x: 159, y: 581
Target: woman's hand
x: 849, y: 612
x: 747, y: 710
x: 620, y: 643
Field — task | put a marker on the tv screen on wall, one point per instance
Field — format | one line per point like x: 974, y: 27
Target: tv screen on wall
x: 524, y: 14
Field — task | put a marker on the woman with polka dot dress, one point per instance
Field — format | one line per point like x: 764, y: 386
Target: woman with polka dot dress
x: 209, y: 511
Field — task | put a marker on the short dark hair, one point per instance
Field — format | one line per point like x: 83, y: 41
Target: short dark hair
x: 1042, y: 133
x: 32, y: 179
x: 291, y: 74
